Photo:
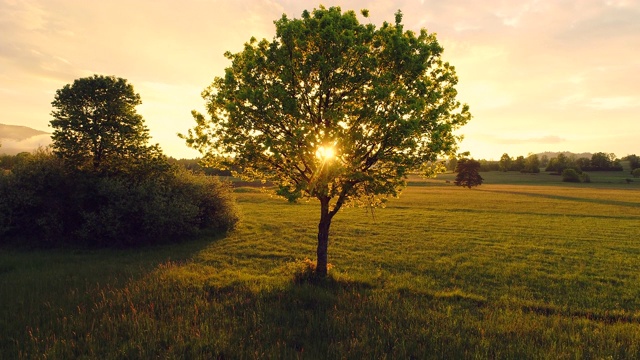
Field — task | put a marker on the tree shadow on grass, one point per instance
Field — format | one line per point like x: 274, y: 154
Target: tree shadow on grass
x: 340, y: 318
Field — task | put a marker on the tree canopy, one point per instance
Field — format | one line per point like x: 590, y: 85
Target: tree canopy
x: 468, y: 173
x: 96, y: 125
x: 333, y: 109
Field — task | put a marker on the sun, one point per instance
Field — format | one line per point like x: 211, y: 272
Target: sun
x: 325, y: 153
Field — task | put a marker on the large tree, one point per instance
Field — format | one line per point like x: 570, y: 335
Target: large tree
x: 96, y: 125
x: 333, y: 109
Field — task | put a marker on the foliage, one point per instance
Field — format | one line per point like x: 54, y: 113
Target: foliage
x: 505, y: 162
x: 570, y: 175
x: 560, y: 163
x: 333, y: 109
x: 468, y: 173
x: 489, y: 165
x: 600, y: 162
x: 636, y: 173
x: 634, y: 161
x: 47, y: 204
x: 97, y: 128
x: 518, y: 164
x: 531, y: 164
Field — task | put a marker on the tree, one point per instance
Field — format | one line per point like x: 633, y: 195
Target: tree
x: 333, y: 109
x: 531, y: 164
x: 602, y: 160
x: 583, y: 163
x: 453, y: 162
x: 96, y: 126
x: 634, y: 161
x: 468, y: 173
x: 561, y: 162
x: 505, y: 162
x: 544, y: 161
x: 518, y: 164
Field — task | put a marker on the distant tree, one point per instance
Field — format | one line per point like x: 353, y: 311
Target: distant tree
x: 96, y: 126
x: 531, y: 164
x: 636, y: 172
x: 561, y: 162
x: 570, y: 175
x: 544, y: 161
x: 634, y: 161
x: 505, y: 162
x: 468, y: 173
x: 453, y: 162
x: 333, y: 109
x: 489, y: 165
x: 601, y: 160
x: 518, y: 164
x: 583, y: 163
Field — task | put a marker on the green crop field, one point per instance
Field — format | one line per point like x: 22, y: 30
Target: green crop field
x: 523, y: 266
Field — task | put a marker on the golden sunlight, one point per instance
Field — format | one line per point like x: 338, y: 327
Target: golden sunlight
x: 325, y: 153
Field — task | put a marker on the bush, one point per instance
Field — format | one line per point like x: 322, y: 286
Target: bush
x: 44, y: 202
x: 636, y: 173
x: 570, y: 175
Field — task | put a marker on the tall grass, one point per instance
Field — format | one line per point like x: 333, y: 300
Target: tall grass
x: 500, y: 271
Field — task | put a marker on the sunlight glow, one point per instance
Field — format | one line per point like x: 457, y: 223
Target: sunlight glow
x: 325, y: 153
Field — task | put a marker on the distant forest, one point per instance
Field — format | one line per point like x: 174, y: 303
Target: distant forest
x: 556, y: 162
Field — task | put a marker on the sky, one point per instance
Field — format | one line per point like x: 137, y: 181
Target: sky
x: 547, y: 75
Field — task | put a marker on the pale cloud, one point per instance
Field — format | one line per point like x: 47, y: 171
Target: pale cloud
x: 527, y: 68
x: 614, y: 103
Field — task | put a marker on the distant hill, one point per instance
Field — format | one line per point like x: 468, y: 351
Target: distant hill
x: 16, y: 139
x: 552, y: 154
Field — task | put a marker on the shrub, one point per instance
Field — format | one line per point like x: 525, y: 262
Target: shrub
x: 585, y: 178
x: 41, y: 200
x: 636, y: 173
x: 570, y: 175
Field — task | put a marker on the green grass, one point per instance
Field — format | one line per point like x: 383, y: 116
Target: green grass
x: 500, y: 271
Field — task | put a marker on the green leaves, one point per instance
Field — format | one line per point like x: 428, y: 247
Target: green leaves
x: 97, y: 127
x: 382, y: 97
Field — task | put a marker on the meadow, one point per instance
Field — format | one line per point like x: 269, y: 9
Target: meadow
x: 523, y: 266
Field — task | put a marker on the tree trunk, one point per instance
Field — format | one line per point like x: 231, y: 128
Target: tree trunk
x: 323, y: 237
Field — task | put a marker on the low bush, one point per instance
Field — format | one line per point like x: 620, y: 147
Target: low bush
x: 636, y: 173
x: 46, y: 204
x: 570, y: 175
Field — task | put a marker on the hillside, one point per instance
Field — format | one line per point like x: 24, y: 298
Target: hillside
x: 16, y: 139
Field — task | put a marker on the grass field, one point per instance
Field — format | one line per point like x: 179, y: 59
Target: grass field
x: 521, y: 267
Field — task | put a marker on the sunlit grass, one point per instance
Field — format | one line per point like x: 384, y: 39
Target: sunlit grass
x: 499, y: 271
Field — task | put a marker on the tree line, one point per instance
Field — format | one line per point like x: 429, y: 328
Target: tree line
x: 533, y: 163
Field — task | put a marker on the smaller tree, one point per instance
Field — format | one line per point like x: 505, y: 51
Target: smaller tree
x: 531, y: 164
x: 518, y: 164
x: 634, y: 161
x: 601, y: 161
x: 544, y: 161
x: 468, y: 173
x: 583, y: 163
x: 505, y: 162
x: 636, y: 173
x: 570, y: 175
